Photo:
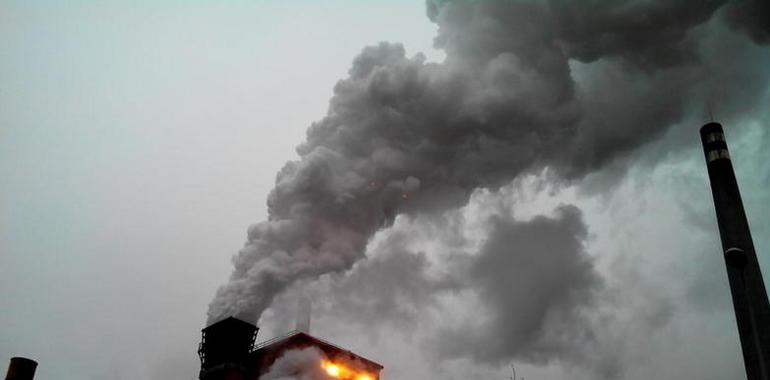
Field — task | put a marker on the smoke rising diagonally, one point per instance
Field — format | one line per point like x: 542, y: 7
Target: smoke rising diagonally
x: 567, y: 85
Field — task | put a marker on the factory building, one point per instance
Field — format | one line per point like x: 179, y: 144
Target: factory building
x: 228, y: 352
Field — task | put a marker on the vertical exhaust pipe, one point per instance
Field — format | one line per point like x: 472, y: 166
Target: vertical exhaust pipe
x: 752, y: 311
x: 21, y: 369
x: 304, y: 308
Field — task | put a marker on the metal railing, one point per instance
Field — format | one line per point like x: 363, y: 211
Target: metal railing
x: 276, y: 339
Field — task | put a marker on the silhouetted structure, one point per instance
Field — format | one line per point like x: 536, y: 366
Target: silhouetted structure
x: 21, y: 369
x: 224, y: 349
x: 227, y: 352
x: 752, y: 311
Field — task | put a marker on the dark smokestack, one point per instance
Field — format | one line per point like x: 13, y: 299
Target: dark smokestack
x: 752, y: 311
x: 224, y: 349
x: 21, y: 369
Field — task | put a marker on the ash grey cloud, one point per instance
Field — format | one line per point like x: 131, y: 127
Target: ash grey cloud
x: 751, y: 17
x: 406, y: 136
x: 536, y: 281
x: 646, y: 35
x: 393, y: 287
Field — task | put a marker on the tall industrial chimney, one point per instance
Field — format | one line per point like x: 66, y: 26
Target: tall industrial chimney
x: 752, y: 311
x: 21, y: 369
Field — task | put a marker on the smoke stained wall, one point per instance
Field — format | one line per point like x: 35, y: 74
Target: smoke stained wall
x: 567, y: 85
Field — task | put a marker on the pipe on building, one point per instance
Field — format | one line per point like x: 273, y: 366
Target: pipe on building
x: 21, y: 369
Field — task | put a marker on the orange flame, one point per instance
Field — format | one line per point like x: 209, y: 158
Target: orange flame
x: 341, y: 372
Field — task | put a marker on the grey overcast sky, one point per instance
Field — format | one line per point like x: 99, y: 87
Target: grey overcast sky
x: 140, y: 140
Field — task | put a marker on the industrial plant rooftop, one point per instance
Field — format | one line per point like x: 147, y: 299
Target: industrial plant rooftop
x: 227, y: 351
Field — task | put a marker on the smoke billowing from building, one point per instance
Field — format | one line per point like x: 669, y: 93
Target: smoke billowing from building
x: 564, y: 85
x: 297, y: 365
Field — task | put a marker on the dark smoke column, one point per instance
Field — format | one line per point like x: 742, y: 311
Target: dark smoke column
x: 752, y: 311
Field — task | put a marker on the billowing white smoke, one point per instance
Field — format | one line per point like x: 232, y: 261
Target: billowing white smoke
x: 569, y: 85
x: 301, y: 364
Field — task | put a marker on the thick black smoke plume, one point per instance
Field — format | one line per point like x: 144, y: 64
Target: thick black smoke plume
x: 568, y: 85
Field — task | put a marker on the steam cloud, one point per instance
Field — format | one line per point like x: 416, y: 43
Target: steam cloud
x: 536, y: 279
x: 534, y: 289
x: 300, y: 364
x: 567, y: 85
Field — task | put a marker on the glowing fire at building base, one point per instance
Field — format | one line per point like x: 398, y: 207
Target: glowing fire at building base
x: 228, y: 352
x: 342, y: 372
